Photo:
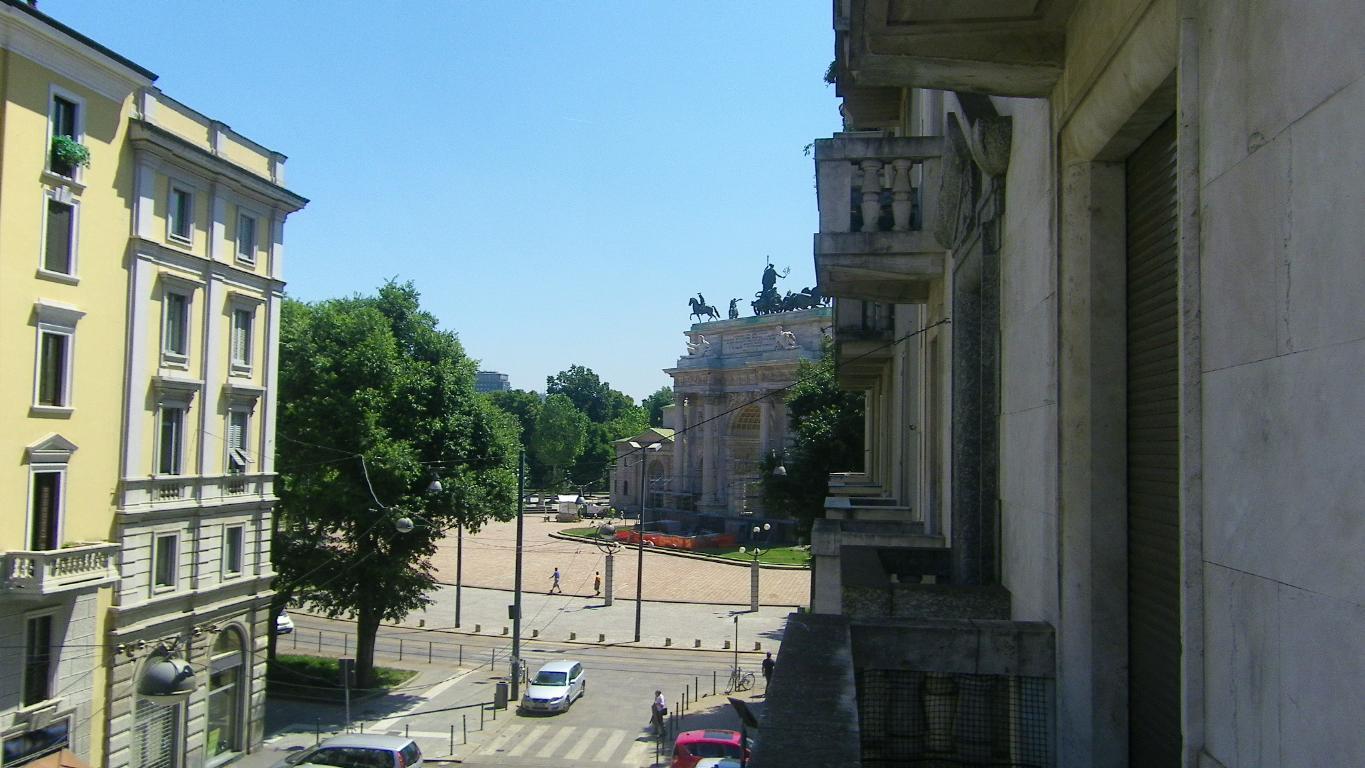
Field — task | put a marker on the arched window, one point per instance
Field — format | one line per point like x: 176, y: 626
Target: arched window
x: 226, y: 681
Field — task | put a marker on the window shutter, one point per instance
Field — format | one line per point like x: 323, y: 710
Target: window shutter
x: 57, y: 254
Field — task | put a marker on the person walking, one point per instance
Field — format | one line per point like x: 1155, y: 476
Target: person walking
x: 554, y: 586
x: 657, y: 710
x: 768, y: 665
x: 596, y: 583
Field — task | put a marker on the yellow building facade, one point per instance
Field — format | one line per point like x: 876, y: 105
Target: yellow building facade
x: 140, y: 289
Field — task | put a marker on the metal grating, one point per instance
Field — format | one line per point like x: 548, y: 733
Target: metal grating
x: 930, y: 719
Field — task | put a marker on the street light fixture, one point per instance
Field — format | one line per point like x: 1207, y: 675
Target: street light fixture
x: 435, y: 487
x: 756, y: 553
x: 640, y: 531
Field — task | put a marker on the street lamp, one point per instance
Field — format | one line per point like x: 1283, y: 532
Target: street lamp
x: 516, y: 579
x: 755, y: 552
x: 435, y: 487
x: 640, y: 531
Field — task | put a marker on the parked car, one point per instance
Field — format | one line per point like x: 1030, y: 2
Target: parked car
x: 691, y: 747
x: 283, y: 624
x: 359, y: 750
x: 719, y: 762
x: 554, y: 687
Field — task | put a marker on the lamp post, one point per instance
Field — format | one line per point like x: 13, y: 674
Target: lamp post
x: 755, y: 552
x: 640, y: 531
x: 436, y: 487
x: 516, y: 580
x: 606, y: 541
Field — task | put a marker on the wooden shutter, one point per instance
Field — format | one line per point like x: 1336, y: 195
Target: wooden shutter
x: 47, y: 489
x: 1154, y: 644
x: 57, y: 251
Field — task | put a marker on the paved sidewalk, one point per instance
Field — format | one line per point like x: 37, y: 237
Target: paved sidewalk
x: 490, y: 556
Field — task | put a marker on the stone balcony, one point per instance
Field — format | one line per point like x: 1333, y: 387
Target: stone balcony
x: 875, y: 193
x: 37, y: 575
x: 863, y: 336
x: 1005, y: 47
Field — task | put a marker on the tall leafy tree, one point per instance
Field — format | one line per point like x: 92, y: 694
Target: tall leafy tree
x: 375, y: 402
x: 525, y: 407
x: 827, y: 425
x: 594, y: 397
x: 654, y: 405
x: 559, y: 436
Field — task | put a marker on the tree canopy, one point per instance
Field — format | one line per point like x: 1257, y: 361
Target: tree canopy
x: 375, y: 402
x: 560, y: 431
x: 827, y: 425
x: 654, y: 405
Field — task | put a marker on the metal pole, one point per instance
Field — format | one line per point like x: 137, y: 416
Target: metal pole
x: 459, y: 565
x: 737, y: 646
x: 640, y: 544
x: 516, y: 595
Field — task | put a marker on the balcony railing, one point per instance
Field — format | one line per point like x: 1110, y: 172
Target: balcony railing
x: 178, y: 490
x: 875, y: 194
x: 38, y: 574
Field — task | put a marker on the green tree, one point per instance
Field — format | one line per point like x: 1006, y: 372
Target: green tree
x: 827, y: 425
x: 525, y: 407
x: 375, y: 401
x: 559, y: 436
x: 594, y: 397
x: 654, y: 405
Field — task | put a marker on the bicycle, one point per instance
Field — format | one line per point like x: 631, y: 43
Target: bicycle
x: 739, y: 680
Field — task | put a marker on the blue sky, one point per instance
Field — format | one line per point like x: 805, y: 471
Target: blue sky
x: 556, y: 177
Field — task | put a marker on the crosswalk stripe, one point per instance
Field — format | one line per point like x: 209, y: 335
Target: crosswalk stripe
x: 582, y: 746
x: 641, y: 753
x: 604, y: 753
x: 533, y: 735
x: 555, y: 741
x: 498, y: 741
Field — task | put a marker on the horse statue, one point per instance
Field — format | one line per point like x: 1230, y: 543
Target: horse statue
x: 701, y: 309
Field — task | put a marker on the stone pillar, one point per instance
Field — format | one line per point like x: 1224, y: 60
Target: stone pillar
x: 677, y: 470
x: 710, y: 447
x: 609, y: 595
x: 753, y: 585
x: 764, y: 415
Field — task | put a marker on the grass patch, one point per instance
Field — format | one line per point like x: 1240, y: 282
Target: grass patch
x: 318, y: 677
x: 774, y: 556
x: 587, y: 533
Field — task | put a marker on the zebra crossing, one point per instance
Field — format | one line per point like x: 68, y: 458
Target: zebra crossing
x: 523, y: 743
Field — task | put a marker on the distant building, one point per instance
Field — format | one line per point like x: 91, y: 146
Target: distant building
x: 491, y: 381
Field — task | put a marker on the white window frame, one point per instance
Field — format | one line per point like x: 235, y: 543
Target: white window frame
x: 57, y: 320
x: 161, y: 412
x: 53, y: 93
x: 174, y: 185
x: 60, y: 523
x: 53, y: 655
x: 241, y: 366
x: 63, y: 196
x: 240, y: 529
x: 157, y: 538
x: 244, y: 448
x: 171, y: 357
x: 249, y: 259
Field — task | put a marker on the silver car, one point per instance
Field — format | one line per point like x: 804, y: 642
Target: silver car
x: 358, y: 750
x: 555, y: 687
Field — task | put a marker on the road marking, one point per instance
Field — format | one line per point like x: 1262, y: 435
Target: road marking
x: 604, y: 753
x: 555, y: 741
x: 641, y: 753
x: 424, y: 697
x: 582, y: 746
x: 498, y: 741
x: 533, y: 735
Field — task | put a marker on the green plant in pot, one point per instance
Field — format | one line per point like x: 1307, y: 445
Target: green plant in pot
x: 67, y: 153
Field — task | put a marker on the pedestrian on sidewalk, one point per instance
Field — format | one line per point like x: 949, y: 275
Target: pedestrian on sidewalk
x: 768, y: 665
x: 657, y: 709
x: 596, y: 583
x: 554, y: 587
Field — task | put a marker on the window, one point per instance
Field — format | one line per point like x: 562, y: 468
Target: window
x: 63, y: 123
x: 239, y: 423
x: 224, y: 730
x: 170, y: 445
x: 175, y: 341
x: 54, y: 368
x: 45, y: 512
x: 164, y: 563
x: 180, y: 214
x: 241, y: 340
x: 59, y: 237
x: 232, y: 549
x: 246, y: 238
x: 37, y: 660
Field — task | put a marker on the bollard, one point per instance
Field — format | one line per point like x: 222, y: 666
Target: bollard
x: 480, y: 718
x: 319, y: 641
x: 727, y: 645
x: 452, y: 738
x: 464, y: 728
x: 345, y: 643
x: 668, y: 641
x: 400, y: 649
x: 504, y: 630
x: 478, y: 628
x: 696, y: 643
x: 421, y: 623
x: 362, y: 726
x: 296, y: 639
x: 317, y: 731
x: 405, y: 730
x: 713, y: 682
x: 535, y: 633
x: 461, y: 661
x: 758, y: 646
x: 601, y: 637
x: 573, y: 635
x: 696, y: 686
x: 428, y: 651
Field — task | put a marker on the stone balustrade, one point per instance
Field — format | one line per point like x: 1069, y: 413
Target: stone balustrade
x: 37, y: 574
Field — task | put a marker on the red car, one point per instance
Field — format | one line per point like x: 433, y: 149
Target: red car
x: 692, y: 746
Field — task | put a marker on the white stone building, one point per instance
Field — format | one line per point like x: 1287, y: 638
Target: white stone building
x: 1111, y: 507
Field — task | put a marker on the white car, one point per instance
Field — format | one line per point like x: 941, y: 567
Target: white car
x: 283, y: 624
x: 555, y: 687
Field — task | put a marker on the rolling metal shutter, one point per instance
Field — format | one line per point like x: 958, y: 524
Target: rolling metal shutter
x: 155, y: 733
x: 1153, y: 455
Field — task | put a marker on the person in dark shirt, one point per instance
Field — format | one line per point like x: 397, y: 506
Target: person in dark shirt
x: 768, y: 665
